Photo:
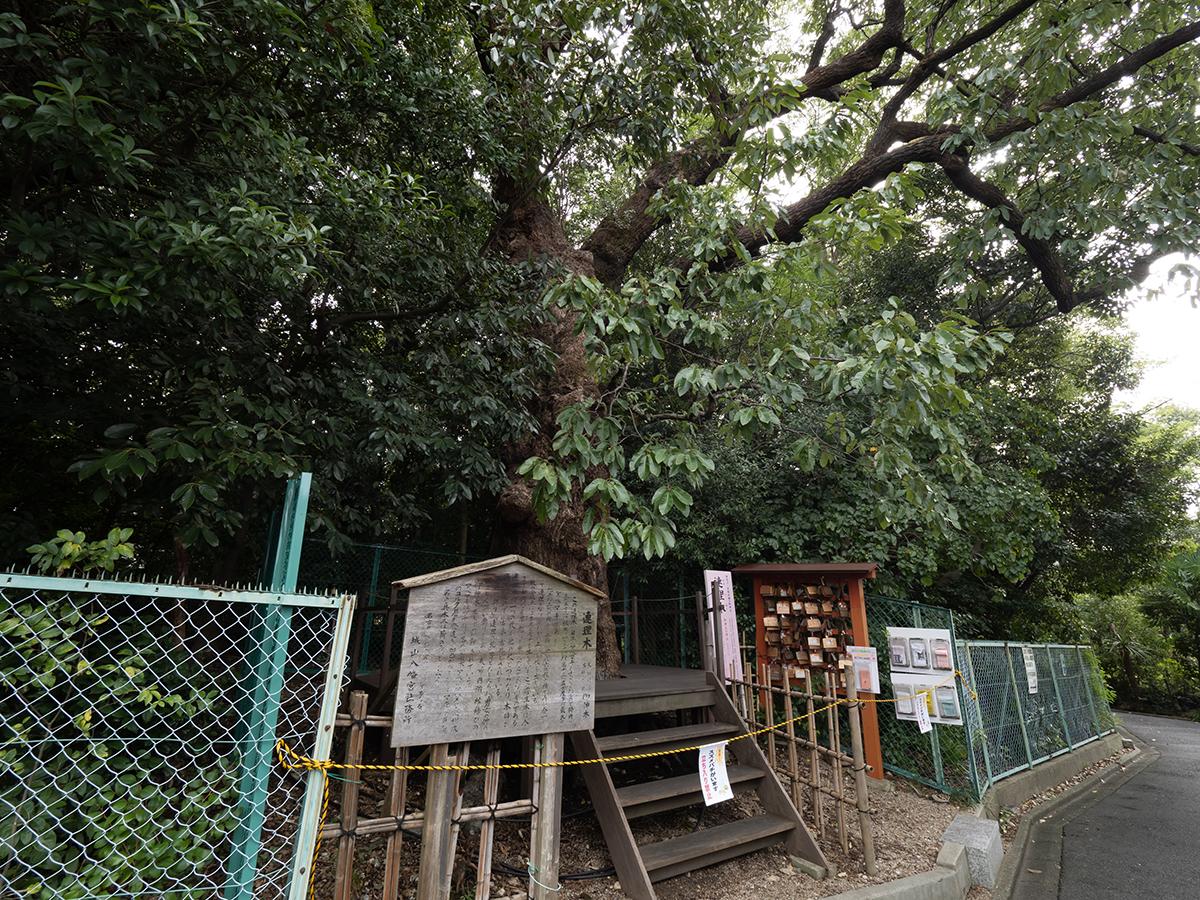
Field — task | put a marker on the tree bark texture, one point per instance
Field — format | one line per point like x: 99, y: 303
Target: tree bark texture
x: 532, y: 231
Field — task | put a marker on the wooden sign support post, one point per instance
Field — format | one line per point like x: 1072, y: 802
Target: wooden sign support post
x: 543, y: 840
x: 437, y: 838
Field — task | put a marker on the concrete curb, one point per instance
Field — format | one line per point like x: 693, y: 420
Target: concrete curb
x: 1015, y: 790
x: 950, y: 878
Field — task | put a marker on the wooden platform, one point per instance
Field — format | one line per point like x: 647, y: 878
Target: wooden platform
x: 642, y: 689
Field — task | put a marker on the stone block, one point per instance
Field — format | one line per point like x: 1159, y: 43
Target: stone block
x: 981, y: 838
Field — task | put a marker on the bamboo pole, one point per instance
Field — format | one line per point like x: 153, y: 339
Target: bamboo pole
x: 397, y: 795
x: 793, y: 765
x: 862, y: 799
x: 416, y: 821
x: 834, y: 727
x: 770, y: 722
x: 814, y: 760
x: 491, y: 791
x: 343, y: 879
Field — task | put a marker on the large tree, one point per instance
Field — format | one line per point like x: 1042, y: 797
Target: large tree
x: 297, y: 210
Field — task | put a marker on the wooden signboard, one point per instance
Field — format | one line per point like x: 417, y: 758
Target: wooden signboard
x: 495, y: 649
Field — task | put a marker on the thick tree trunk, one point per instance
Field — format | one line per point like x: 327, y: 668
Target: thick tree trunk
x: 531, y: 230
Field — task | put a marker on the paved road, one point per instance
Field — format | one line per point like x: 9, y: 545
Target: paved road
x: 1143, y: 839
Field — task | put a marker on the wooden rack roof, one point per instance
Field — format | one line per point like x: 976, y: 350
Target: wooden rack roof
x: 856, y: 569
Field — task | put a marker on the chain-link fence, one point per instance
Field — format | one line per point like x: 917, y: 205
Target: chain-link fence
x: 661, y: 631
x: 1018, y: 717
x: 941, y: 757
x: 1007, y: 726
x: 136, y: 746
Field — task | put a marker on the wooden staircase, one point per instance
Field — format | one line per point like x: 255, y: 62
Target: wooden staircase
x: 625, y: 706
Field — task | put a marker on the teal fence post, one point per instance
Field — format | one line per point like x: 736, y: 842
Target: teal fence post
x: 986, y: 781
x: 1012, y: 674
x: 1062, y: 712
x: 1085, y: 672
x: 314, y: 789
x: 368, y: 625
x: 265, y: 676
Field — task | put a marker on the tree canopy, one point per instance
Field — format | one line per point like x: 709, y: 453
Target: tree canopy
x: 545, y: 261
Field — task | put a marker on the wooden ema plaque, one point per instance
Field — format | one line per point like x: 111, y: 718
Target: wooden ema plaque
x: 495, y: 649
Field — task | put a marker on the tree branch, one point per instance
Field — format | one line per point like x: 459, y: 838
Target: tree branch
x: 1159, y: 138
x: 1041, y: 253
x: 621, y: 233
x: 928, y: 65
x: 1089, y: 87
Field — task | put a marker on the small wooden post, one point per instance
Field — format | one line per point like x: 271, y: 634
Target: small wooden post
x: 717, y: 633
x: 543, y: 839
x: 706, y: 662
x: 397, y: 795
x: 437, y: 848
x: 793, y: 764
x: 637, y: 650
x: 491, y: 791
x: 814, y: 758
x: 870, y: 715
x: 862, y: 799
x: 343, y: 881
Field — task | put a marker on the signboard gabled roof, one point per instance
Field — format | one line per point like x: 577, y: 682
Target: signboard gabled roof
x: 485, y: 565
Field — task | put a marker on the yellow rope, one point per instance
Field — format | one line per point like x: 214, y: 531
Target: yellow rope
x: 290, y: 759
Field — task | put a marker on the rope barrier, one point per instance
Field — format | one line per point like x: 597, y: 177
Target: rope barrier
x: 291, y: 760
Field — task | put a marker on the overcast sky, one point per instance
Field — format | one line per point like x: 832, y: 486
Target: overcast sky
x: 1167, y: 328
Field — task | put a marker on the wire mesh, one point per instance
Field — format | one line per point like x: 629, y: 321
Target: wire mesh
x: 666, y: 633
x: 132, y: 742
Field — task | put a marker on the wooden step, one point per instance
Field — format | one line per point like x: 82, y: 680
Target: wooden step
x: 650, y: 701
x: 665, y: 738
x: 674, y: 793
x: 669, y: 858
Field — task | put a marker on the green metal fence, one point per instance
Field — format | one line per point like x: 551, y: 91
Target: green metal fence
x: 1015, y: 725
x: 1007, y: 728
x: 138, y: 730
x: 367, y: 571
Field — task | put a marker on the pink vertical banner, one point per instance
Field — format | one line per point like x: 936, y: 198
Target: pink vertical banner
x: 724, y: 626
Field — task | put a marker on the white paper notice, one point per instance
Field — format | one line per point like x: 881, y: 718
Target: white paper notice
x: 922, y: 713
x: 714, y: 777
x: 1030, y: 669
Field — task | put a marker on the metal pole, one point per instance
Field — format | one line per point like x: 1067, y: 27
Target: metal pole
x: 1012, y: 674
x: 1085, y: 672
x: 935, y: 740
x: 1062, y: 713
x: 860, y: 774
x: 265, y: 674
x: 985, y: 783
